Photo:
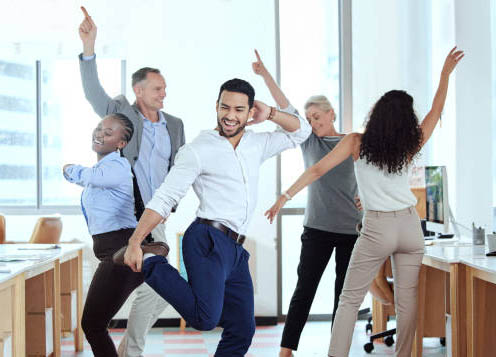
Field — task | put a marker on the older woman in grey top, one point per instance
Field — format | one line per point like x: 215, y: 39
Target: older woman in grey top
x: 330, y: 215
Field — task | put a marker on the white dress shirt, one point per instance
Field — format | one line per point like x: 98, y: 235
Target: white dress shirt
x: 224, y: 179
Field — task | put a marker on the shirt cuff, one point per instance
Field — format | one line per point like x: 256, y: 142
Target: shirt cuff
x: 87, y: 58
x: 289, y: 109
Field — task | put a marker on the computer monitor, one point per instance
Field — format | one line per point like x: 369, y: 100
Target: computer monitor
x: 437, y: 206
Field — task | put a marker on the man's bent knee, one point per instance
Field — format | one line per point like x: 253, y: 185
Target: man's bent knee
x: 204, y: 325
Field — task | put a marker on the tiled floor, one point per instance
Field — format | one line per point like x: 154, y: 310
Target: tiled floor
x: 169, y: 342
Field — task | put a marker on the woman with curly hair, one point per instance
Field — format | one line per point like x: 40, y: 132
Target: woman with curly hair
x: 382, y: 156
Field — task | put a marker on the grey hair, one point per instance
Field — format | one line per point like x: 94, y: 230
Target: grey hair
x: 320, y: 101
x: 140, y: 74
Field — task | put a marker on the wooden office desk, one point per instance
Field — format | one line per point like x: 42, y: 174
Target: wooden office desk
x: 33, y: 287
x: 442, y: 290
x: 481, y: 305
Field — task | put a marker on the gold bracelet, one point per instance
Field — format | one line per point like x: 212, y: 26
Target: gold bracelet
x: 272, y: 113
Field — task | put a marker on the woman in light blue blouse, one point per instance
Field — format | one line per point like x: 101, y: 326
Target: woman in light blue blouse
x: 107, y: 203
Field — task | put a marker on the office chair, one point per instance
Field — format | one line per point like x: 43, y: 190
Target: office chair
x: 2, y: 229
x: 383, y: 306
x: 47, y: 230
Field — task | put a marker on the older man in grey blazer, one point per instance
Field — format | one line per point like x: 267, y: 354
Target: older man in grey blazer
x: 151, y: 153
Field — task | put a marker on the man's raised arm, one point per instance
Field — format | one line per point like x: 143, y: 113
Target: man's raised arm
x: 95, y: 94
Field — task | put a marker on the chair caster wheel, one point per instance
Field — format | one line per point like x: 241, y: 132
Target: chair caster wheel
x: 368, y: 347
x: 442, y: 340
x: 389, y: 341
x: 368, y: 328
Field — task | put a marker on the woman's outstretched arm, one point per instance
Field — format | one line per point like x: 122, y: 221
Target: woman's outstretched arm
x: 346, y: 147
x: 431, y: 119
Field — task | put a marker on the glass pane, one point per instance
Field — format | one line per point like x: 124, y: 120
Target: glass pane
x: 291, y: 168
x: 309, y: 37
x: 17, y: 133
x: 67, y: 124
x: 309, y: 43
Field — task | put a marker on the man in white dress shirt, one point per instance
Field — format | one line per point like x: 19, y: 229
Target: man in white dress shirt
x: 222, y: 165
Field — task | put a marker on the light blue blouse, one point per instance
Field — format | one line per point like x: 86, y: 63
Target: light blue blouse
x: 107, y: 200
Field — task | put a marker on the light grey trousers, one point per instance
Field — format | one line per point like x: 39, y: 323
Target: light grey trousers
x: 397, y: 234
x: 146, y: 308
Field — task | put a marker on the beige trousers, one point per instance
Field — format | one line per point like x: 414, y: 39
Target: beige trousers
x: 145, y: 310
x: 397, y: 234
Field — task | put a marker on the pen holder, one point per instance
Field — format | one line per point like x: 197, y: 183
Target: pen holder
x: 478, y: 235
x: 491, y: 242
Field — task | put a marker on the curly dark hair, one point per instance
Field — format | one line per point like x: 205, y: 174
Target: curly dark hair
x: 392, y: 136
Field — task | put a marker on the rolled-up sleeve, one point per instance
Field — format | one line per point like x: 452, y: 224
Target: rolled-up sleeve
x: 280, y: 139
x: 177, y: 182
x: 289, y: 109
x: 73, y: 173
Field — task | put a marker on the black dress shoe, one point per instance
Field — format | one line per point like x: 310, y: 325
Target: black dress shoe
x: 157, y: 248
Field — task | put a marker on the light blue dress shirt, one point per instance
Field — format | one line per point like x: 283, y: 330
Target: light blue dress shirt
x: 107, y: 200
x: 154, y: 156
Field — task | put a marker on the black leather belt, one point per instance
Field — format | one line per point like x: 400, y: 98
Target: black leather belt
x: 238, y: 238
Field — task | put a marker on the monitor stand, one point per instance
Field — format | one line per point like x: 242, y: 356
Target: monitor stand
x: 454, y: 224
x: 444, y: 236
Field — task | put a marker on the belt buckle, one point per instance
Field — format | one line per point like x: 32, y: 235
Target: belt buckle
x: 240, y: 239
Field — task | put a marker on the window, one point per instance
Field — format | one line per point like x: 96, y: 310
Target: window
x: 309, y: 51
x: 46, y: 122
x: 67, y: 122
x: 310, y: 65
x: 17, y: 133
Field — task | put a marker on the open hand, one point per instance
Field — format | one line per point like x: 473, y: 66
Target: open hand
x: 262, y: 112
x: 87, y: 29
x: 451, y: 61
x: 258, y: 66
x: 274, y: 210
x: 133, y: 257
x: 65, y: 167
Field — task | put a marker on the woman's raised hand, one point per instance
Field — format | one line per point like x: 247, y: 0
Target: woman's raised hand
x: 454, y: 56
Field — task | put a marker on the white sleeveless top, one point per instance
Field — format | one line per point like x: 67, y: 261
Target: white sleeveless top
x: 382, y: 191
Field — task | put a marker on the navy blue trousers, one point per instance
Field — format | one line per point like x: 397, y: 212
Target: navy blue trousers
x: 219, y: 290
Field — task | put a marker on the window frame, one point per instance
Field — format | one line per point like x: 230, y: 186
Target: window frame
x: 40, y: 208
x: 345, y: 119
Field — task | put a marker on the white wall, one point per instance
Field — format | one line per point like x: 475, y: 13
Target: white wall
x: 391, y: 50
x: 474, y: 94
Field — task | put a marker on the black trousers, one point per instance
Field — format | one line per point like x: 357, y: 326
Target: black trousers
x: 111, y: 286
x: 316, y: 250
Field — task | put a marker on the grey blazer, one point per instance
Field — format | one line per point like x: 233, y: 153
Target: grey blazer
x: 103, y: 105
